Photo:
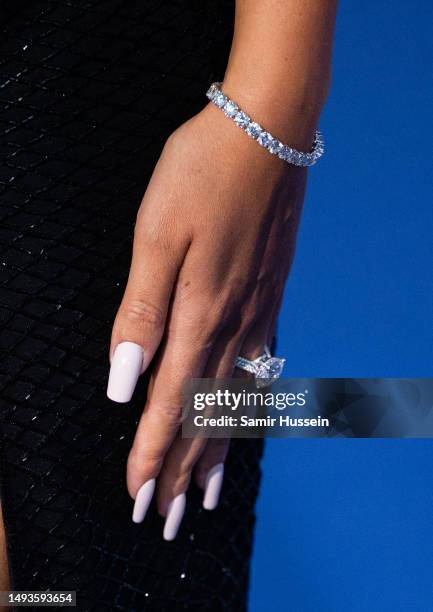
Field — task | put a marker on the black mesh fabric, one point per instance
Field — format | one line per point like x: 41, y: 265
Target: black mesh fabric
x: 89, y: 91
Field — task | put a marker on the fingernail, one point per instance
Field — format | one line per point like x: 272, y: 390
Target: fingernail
x: 142, y: 500
x: 212, y: 489
x: 126, y: 367
x: 175, y: 512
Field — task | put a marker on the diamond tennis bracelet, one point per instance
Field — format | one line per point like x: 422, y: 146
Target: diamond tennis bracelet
x: 260, y: 135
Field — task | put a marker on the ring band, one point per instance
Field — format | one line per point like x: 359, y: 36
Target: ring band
x: 265, y: 368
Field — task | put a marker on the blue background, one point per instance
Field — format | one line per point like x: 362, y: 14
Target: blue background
x: 348, y: 524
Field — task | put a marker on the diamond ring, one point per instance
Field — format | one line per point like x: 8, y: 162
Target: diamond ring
x: 265, y: 368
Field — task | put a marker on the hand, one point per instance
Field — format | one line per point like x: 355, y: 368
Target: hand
x: 214, y: 241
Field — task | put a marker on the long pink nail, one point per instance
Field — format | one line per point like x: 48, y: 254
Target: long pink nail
x: 126, y: 367
x: 214, y: 482
x: 175, y: 512
x: 142, y: 500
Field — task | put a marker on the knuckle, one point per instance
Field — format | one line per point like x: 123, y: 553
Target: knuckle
x: 170, y: 410
x: 142, y: 312
x: 206, y: 323
x: 178, y: 473
x: 182, y: 481
x: 140, y: 463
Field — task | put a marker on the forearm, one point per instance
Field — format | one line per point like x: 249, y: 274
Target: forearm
x: 280, y: 63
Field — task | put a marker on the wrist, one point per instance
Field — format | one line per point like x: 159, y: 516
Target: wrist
x: 292, y: 117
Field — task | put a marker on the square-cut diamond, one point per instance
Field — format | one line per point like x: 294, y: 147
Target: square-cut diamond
x: 264, y: 139
x: 301, y: 158
x: 211, y: 92
x: 254, y: 130
x: 268, y: 371
x: 275, y: 146
x: 295, y: 157
x: 285, y: 153
x: 230, y: 109
x: 242, y: 119
x: 220, y: 99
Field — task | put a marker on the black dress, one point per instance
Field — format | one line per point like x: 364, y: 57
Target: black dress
x: 89, y: 91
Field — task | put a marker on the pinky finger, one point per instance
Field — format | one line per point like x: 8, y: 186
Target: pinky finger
x: 209, y: 471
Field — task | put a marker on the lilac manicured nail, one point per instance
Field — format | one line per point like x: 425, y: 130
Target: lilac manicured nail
x: 142, y: 500
x: 175, y: 512
x: 212, y: 490
x: 126, y: 367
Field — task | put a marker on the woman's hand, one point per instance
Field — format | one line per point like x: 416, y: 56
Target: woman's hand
x: 213, y: 244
